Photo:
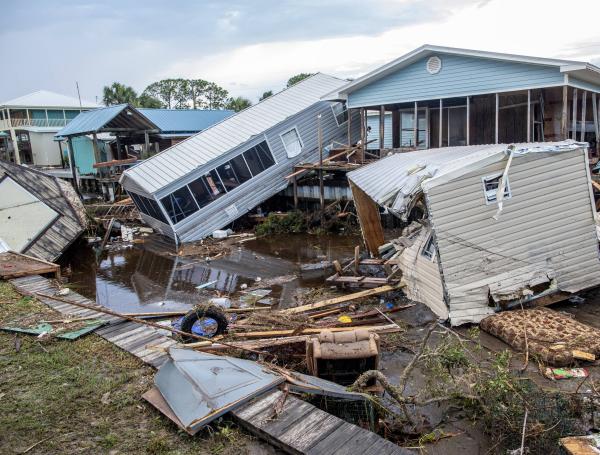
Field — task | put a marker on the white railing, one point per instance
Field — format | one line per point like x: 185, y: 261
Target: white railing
x: 4, y: 124
x: 19, y: 122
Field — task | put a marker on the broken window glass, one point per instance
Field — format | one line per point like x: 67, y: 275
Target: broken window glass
x: 291, y: 143
x: 340, y: 112
x: 201, y: 192
x: 241, y: 169
x: 490, y: 188
x: 429, y: 249
x: 180, y: 204
x: 228, y: 176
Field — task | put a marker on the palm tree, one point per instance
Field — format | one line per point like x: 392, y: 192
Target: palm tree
x: 238, y: 104
x: 119, y: 94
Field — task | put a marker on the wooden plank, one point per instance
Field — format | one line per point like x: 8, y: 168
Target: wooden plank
x: 279, y: 333
x: 369, y: 220
x: 342, y: 299
x: 316, y: 425
x: 579, y: 445
x: 292, y: 412
x: 257, y: 405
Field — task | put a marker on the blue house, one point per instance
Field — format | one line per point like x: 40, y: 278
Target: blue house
x: 439, y: 96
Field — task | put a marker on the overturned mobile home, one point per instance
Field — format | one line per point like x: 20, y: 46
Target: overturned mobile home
x: 40, y: 215
x: 218, y: 175
x: 498, y: 225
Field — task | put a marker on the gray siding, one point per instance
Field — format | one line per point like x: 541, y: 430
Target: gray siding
x: 459, y: 76
x: 546, y: 230
x: 255, y: 191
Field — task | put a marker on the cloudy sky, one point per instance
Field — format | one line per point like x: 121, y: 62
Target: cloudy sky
x: 252, y: 46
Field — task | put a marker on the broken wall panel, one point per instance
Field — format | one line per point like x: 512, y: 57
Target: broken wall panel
x: 370, y: 221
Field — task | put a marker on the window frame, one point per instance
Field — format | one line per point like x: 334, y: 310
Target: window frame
x: 335, y: 116
x: 507, y: 190
x: 294, y: 128
x: 427, y: 246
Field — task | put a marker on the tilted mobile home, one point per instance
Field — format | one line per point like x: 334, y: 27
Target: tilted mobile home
x: 502, y: 225
x: 211, y: 179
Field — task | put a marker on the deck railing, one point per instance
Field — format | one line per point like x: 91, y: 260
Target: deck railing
x: 36, y: 122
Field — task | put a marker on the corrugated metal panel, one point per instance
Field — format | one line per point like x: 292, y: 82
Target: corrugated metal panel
x: 45, y: 98
x: 174, y: 163
x: 373, y: 122
x: 91, y: 120
x: 459, y: 76
x: 185, y: 120
x: 270, y: 182
x: 546, y: 230
x: 422, y: 276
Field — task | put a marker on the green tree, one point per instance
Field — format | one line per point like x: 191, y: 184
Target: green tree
x: 197, y: 88
x: 266, y: 94
x: 216, y: 96
x: 166, y: 91
x: 237, y: 104
x: 297, y: 78
x: 118, y: 93
x: 148, y: 102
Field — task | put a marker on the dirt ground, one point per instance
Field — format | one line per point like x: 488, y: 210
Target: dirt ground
x: 84, y: 396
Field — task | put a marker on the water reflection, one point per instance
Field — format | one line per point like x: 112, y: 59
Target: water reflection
x: 137, y: 279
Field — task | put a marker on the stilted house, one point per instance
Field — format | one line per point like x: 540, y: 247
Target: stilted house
x: 209, y: 180
x: 441, y: 97
x: 493, y: 226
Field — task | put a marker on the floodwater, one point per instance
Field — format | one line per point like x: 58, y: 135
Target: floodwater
x: 135, y: 278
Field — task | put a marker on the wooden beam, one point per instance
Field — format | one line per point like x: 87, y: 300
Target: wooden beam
x: 574, y: 114
x: 368, y: 217
x: 349, y: 127
x: 583, y: 113
x: 496, y: 118
x: 342, y: 299
x: 72, y: 165
x: 388, y: 328
x: 565, y: 113
x: 381, y: 128
x: 295, y: 181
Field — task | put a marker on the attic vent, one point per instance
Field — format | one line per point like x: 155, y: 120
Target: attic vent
x: 434, y: 65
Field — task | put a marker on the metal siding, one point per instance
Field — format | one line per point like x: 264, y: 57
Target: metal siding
x: 459, y: 76
x: 255, y: 191
x: 534, y: 233
x: 230, y: 133
x: 573, y: 82
x: 422, y: 276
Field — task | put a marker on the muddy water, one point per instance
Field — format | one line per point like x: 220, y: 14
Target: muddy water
x: 135, y: 278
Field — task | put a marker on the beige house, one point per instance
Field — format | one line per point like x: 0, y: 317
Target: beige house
x: 496, y: 226
x: 28, y: 125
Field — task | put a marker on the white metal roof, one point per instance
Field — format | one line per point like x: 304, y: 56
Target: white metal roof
x: 47, y: 99
x: 396, y: 180
x: 179, y: 160
x: 583, y: 70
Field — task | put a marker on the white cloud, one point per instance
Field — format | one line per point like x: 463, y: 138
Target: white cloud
x: 532, y: 27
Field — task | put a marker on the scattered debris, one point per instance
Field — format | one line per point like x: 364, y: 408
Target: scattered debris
x: 566, y: 373
x: 13, y: 265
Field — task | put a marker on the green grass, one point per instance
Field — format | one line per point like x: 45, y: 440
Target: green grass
x: 84, y: 396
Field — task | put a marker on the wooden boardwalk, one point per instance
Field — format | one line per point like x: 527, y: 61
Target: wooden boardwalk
x: 146, y: 343
x: 300, y: 428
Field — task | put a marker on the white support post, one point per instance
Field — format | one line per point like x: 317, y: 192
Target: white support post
x: 596, y: 126
x: 441, y: 124
x: 528, y: 115
x: 468, y: 120
x: 583, y: 112
x: 416, y: 126
x: 496, y: 122
x: 574, y: 122
x: 47, y: 122
x: 28, y: 117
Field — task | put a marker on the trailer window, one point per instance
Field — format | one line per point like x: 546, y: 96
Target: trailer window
x: 148, y: 207
x: 340, y: 112
x: 429, y: 248
x: 201, y: 192
x: 259, y: 158
x: 179, y: 204
x: 241, y: 169
x: 490, y: 188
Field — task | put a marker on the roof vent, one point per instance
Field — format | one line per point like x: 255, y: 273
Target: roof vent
x: 434, y: 65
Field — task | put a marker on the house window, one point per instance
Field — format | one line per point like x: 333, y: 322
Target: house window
x: 179, y: 204
x: 148, y: 207
x: 291, y: 142
x: 340, y: 112
x: 201, y: 191
x: 407, y: 132
x: 429, y: 248
x: 490, y: 188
